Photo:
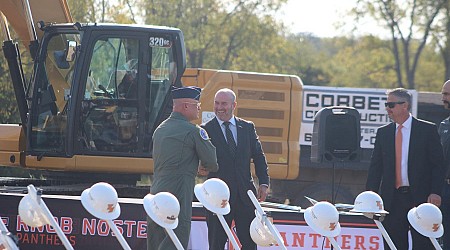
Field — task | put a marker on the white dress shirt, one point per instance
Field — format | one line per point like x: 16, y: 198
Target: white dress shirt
x: 406, y: 133
x: 233, y: 128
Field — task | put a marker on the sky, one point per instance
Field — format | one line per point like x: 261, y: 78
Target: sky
x: 321, y: 18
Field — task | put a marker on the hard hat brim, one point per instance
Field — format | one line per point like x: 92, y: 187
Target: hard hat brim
x: 372, y: 212
x: 310, y: 221
x: 147, y: 207
x: 419, y: 229
x: 86, y: 202
x: 217, y: 210
x: 266, y: 239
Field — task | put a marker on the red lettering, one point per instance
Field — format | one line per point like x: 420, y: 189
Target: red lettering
x: 327, y: 243
x: 129, y: 224
x: 34, y: 238
x: 88, y: 227
x: 39, y: 229
x: 117, y: 223
x: 345, y: 241
x: 359, y: 242
x: 103, y: 228
x: 315, y: 239
x: 21, y: 225
x: 141, y: 229
x: 50, y: 229
x: 25, y: 239
x: 19, y: 236
x: 49, y: 240
x: 5, y: 220
x: 73, y: 240
x: 57, y: 241
x: 298, y: 240
x: 283, y: 235
x: 42, y: 237
x: 375, y: 242
x: 66, y: 225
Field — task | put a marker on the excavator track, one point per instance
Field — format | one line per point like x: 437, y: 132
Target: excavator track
x: 58, y: 187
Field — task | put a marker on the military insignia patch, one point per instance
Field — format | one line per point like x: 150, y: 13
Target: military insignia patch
x: 204, y: 134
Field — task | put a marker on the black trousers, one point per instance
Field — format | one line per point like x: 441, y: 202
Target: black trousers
x: 397, y: 225
x: 445, y: 209
x: 242, y: 216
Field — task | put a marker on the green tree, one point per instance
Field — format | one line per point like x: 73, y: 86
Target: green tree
x: 9, y: 111
x: 306, y: 56
x: 102, y: 11
x: 363, y: 62
x: 407, y: 21
x: 441, y: 38
x: 214, y: 32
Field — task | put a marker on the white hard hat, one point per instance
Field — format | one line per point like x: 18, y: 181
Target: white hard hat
x: 8, y: 241
x: 323, y: 218
x: 214, y: 195
x: 369, y: 202
x: 261, y: 234
x: 31, y: 213
x: 101, y: 201
x: 427, y: 220
x: 163, y: 208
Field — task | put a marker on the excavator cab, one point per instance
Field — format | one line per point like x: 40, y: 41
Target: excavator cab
x: 96, y: 94
x: 101, y: 89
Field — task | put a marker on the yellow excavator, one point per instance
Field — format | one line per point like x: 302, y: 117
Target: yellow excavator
x: 98, y: 91
x: 96, y: 94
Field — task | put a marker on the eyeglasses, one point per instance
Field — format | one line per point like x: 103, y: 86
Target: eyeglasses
x: 194, y: 103
x: 392, y: 104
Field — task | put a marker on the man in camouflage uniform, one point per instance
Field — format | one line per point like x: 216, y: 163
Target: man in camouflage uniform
x: 178, y: 147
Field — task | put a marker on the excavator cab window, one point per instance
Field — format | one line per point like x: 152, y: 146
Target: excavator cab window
x: 127, y: 84
x: 110, y: 104
x: 101, y: 90
x: 50, y: 95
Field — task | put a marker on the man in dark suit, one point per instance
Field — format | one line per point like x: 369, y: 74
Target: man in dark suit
x: 444, y: 129
x: 236, y: 145
x: 406, y: 168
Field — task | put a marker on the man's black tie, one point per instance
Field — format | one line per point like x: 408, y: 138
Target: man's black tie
x: 230, y: 138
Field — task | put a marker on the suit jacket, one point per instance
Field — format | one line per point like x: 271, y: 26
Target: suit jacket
x: 236, y: 171
x: 425, y: 162
x: 444, y: 133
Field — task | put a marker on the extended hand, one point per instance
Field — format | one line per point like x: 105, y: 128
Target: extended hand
x: 263, y: 190
x: 202, y: 171
x: 434, y: 199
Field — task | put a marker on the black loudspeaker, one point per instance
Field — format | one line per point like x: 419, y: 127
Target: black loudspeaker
x: 336, y: 135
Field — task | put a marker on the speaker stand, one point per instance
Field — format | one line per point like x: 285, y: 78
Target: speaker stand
x: 333, y: 177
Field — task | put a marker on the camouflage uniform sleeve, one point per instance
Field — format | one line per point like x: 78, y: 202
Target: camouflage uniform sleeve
x: 205, y: 150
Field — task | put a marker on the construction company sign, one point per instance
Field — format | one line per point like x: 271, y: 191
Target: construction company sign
x: 368, y: 102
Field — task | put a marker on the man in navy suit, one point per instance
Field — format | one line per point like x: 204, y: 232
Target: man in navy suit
x: 412, y: 178
x: 236, y: 145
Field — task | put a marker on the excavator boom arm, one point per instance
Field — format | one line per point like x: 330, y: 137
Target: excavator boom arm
x: 49, y: 11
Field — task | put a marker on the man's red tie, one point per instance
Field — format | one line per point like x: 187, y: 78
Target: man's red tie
x: 398, y: 156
